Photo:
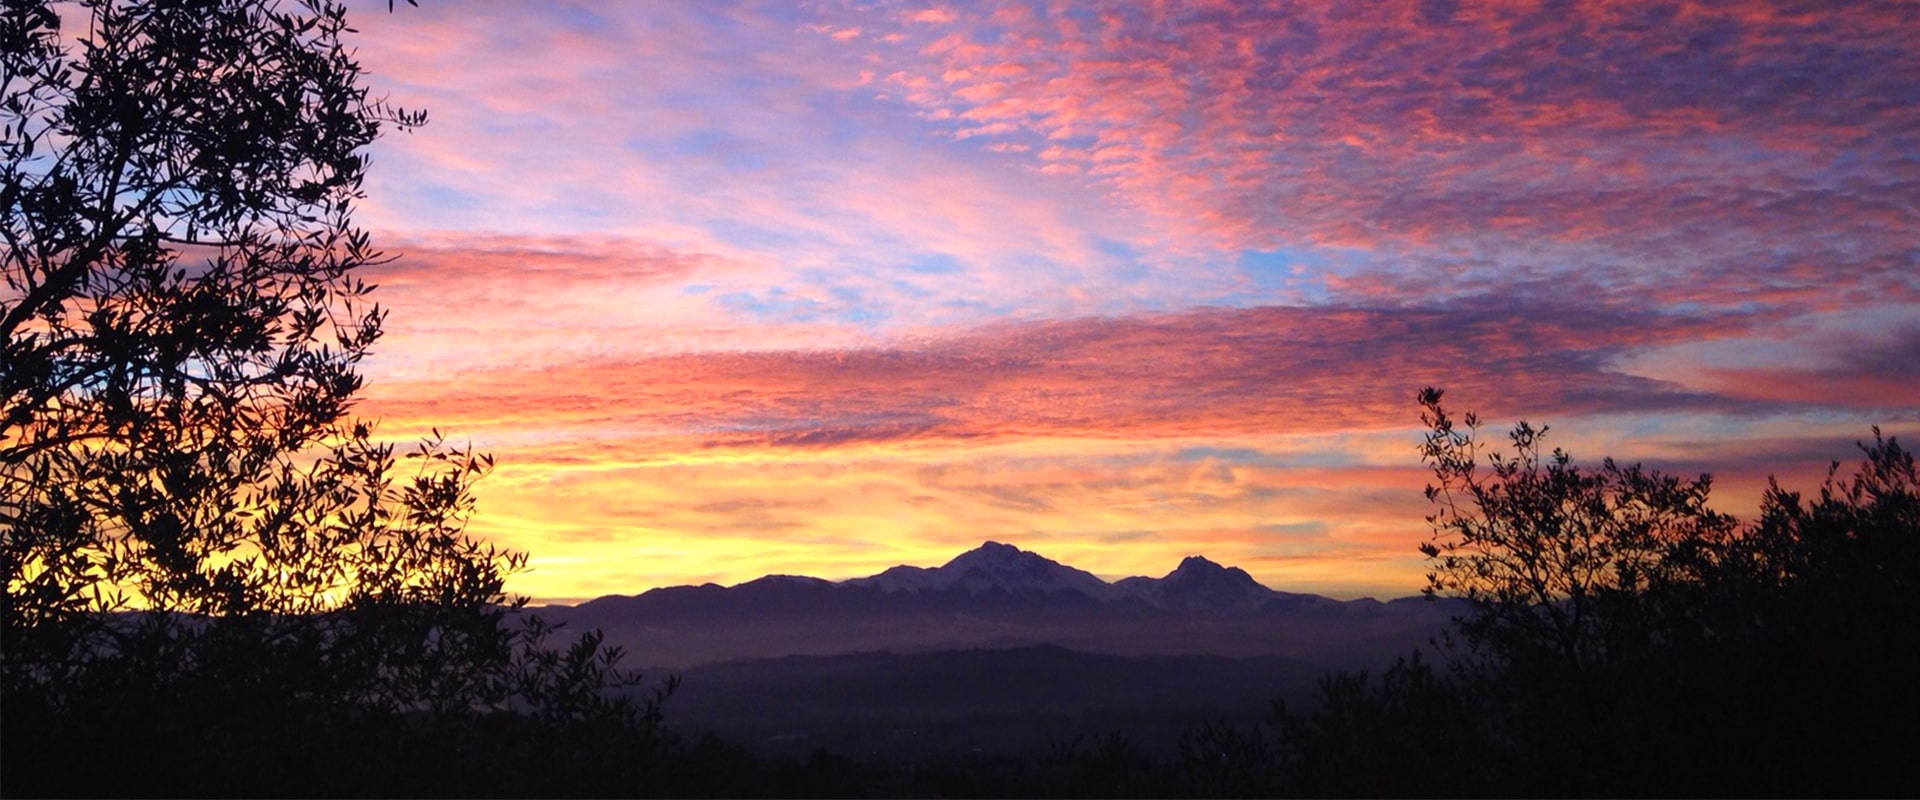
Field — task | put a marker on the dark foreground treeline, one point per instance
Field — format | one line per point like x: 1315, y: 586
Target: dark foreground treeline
x: 219, y: 583
x: 1625, y: 640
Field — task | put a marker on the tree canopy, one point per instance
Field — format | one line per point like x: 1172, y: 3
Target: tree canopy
x: 202, y: 547
x: 1624, y: 638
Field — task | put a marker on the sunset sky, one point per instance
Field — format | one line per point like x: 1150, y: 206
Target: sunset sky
x: 737, y: 288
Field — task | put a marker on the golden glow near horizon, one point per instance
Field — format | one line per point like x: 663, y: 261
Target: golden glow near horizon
x: 731, y: 290
x: 1338, y: 514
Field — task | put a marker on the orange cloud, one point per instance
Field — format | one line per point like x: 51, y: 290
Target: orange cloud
x: 732, y: 292
x: 1209, y: 372
x: 1276, y: 438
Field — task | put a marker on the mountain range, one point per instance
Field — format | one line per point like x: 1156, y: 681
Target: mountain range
x: 1197, y: 584
x: 998, y: 595
x: 998, y: 651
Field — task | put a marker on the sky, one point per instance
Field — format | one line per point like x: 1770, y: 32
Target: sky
x: 739, y: 288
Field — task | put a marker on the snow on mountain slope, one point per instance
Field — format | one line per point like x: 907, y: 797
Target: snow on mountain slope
x: 992, y: 567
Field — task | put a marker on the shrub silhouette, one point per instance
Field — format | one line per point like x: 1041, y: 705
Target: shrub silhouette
x: 1625, y: 639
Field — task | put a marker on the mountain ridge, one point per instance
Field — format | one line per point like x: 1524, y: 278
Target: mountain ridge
x: 998, y: 595
x: 995, y: 567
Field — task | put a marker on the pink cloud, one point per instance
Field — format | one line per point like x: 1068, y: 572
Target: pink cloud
x: 1279, y: 439
x: 935, y: 15
x: 730, y: 290
x: 1216, y: 372
x: 1718, y: 145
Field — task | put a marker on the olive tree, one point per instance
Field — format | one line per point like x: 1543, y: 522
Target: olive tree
x: 186, y: 502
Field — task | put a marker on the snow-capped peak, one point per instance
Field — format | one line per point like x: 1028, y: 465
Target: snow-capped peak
x: 1197, y: 584
x: 992, y: 566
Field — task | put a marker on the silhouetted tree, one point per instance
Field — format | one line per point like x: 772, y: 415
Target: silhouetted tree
x: 1625, y: 639
x: 1814, y: 622
x: 1108, y: 766
x: 1558, y: 560
x: 1221, y: 759
x: 199, y: 544
x: 182, y: 322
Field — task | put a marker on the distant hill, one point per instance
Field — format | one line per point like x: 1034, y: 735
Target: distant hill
x: 1015, y: 701
x: 999, y: 596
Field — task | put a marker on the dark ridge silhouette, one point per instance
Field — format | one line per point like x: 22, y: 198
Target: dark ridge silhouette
x: 998, y: 595
x: 999, y: 702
